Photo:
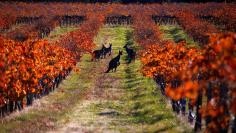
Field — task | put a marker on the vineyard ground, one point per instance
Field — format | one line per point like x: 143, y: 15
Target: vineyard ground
x: 176, y: 34
x: 60, y: 31
x: 92, y: 101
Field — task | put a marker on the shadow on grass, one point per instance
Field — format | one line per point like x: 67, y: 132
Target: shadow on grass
x: 143, y: 104
x: 109, y: 113
x: 177, y: 34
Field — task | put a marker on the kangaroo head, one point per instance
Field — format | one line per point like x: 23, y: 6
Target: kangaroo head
x: 120, y: 52
x: 125, y: 46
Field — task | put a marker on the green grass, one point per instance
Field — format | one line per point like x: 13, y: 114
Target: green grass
x: 141, y: 105
x: 58, y: 31
x: 177, y: 34
x: 115, y: 35
x: 145, y: 103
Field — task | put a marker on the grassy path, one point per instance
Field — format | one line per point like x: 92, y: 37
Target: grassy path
x: 93, y: 101
x: 176, y: 33
x: 60, y: 31
x: 124, y: 101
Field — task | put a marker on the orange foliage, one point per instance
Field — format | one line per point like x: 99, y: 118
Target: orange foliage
x: 24, y: 63
x: 197, y: 68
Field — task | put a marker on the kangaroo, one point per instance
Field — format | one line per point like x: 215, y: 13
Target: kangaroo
x: 108, y: 50
x: 97, y: 54
x: 131, y: 53
x: 114, y: 63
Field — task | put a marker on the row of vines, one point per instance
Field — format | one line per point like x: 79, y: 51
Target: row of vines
x: 34, y: 67
x: 204, y: 78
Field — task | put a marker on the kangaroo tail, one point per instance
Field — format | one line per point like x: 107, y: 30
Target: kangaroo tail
x: 107, y: 70
x: 93, y: 56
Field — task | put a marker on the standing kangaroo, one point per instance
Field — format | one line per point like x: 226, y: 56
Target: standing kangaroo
x: 108, y: 50
x: 114, y: 63
x: 98, y: 54
x: 131, y: 53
